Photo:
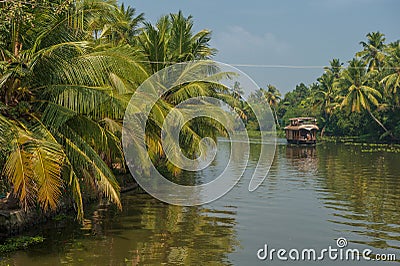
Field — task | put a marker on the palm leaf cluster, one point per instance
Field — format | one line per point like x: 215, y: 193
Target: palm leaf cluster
x: 67, y: 73
x: 171, y: 40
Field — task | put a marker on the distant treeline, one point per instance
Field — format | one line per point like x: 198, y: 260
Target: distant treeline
x: 360, y: 99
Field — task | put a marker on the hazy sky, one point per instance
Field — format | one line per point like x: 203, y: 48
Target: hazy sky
x: 283, y: 32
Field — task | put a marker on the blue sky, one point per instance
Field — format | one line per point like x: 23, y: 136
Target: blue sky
x: 284, y: 32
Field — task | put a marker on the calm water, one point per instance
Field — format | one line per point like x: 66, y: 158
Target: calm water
x: 311, y: 197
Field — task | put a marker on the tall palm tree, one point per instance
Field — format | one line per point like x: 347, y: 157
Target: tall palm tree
x: 55, y: 93
x: 373, y: 50
x: 335, y: 67
x: 237, y: 90
x: 172, y: 40
x: 237, y: 101
x: 272, y: 96
x: 184, y: 44
x: 391, y: 79
x: 358, y: 94
x: 123, y: 27
x: 324, y: 97
x: 194, y: 130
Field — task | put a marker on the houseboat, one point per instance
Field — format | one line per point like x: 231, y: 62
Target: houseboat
x: 302, y: 130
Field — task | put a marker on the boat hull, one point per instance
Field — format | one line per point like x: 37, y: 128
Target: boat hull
x: 301, y: 142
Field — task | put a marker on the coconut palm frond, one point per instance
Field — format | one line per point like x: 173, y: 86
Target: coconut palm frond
x: 82, y: 156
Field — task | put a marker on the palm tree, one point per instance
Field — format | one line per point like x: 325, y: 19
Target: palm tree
x: 63, y: 98
x: 184, y: 44
x: 335, y: 67
x: 172, y: 40
x: 391, y: 79
x: 191, y: 132
x: 237, y: 101
x: 373, y: 50
x: 56, y: 93
x: 237, y: 90
x: 272, y: 97
x: 358, y: 94
x: 123, y: 27
x: 169, y: 41
x: 324, y: 97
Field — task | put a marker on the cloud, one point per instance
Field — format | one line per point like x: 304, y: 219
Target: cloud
x: 237, y: 42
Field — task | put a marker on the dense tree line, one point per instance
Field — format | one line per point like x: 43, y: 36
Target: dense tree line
x: 360, y: 100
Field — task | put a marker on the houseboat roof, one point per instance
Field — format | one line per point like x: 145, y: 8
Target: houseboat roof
x: 303, y: 118
x: 306, y: 127
x: 297, y: 123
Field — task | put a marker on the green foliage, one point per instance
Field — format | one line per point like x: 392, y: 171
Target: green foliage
x: 295, y: 103
x: 172, y: 40
x: 67, y: 72
x: 53, y: 78
x: 19, y: 243
x: 361, y: 99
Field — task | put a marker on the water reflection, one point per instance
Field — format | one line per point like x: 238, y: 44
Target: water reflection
x: 362, y: 190
x: 147, y: 232
x: 303, y: 158
x: 312, y: 196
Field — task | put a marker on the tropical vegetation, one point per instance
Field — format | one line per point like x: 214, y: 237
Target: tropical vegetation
x: 67, y: 73
x: 361, y: 99
x: 69, y: 69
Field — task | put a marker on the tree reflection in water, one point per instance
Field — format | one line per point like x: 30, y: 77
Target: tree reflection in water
x: 362, y: 191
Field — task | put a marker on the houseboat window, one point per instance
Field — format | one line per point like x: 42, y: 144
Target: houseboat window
x: 308, y: 122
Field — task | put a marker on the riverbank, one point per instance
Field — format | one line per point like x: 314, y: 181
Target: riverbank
x: 365, y: 139
x: 367, y: 144
x: 17, y: 221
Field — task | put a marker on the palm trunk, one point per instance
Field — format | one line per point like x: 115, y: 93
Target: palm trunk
x: 323, y: 131
x: 380, y: 124
x: 276, y: 118
x: 17, y: 45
